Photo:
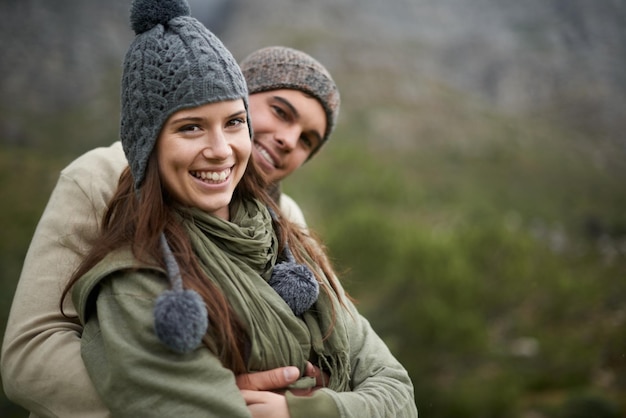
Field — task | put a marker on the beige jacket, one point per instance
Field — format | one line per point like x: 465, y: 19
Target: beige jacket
x: 41, y: 365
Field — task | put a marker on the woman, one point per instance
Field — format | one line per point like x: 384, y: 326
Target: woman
x: 293, y: 102
x: 249, y: 291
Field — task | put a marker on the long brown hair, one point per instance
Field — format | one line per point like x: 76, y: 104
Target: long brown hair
x: 137, y: 220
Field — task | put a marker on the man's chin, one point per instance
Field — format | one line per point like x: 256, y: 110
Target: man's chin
x: 263, y: 165
x: 267, y: 172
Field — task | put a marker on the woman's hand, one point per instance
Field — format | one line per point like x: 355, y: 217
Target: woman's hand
x: 264, y: 391
x: 321, y: 378
x: 263, y: 404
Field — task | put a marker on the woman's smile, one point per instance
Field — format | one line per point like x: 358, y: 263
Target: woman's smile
x: 212, y: 177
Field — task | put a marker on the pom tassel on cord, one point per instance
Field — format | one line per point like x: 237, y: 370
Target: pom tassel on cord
x: 180, y: 316
x: 294, y: 282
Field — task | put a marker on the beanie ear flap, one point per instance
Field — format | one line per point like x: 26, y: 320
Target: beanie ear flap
x: 180, y: 316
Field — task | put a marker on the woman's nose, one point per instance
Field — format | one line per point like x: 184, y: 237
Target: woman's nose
x: 216, y: 147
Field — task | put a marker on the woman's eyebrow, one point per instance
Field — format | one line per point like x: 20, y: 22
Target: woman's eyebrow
x: 237, y: 114
x: 186, y: 119
x: 196, y: 119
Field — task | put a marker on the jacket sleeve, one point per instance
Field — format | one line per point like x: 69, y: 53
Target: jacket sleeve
x: 292, y: 211
x: 41, y: 366
x: 381, y: 386
x: 135, y: 374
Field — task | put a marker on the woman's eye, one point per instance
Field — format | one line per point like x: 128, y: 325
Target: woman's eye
x: 189, y: 128
x: 236, y: 122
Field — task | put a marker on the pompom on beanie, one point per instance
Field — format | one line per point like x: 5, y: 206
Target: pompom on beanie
x: 173, y: 63
x: 279, y: 67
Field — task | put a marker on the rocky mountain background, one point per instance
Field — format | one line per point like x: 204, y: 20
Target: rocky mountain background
x: 562, y: 58
x: 472, y: 195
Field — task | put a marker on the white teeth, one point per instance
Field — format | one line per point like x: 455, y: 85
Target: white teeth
x: 212, y: 175
x: 265, y: 154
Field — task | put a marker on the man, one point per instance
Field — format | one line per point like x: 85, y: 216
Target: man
x: 294, y: 104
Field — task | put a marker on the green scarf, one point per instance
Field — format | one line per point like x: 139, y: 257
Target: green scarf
x: 239, y: 256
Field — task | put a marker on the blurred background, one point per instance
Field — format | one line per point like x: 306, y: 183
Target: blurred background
x: 472, y: 195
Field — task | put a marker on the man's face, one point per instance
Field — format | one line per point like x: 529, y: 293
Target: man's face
x: 288, y: 126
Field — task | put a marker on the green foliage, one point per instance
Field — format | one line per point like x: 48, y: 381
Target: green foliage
x: 493, y: 266
x: 588, y: 405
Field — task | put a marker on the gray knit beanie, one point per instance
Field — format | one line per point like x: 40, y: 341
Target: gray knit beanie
x: 279, y: 67
x: 173, y: 63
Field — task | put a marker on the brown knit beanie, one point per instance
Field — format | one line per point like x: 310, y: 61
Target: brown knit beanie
x: 279, y: 67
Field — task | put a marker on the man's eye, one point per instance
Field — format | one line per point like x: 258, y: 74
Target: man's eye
x: 306, y: 141
x: 280, y: 112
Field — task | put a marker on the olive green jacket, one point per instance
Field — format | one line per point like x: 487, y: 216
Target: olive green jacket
x: 136, y: 375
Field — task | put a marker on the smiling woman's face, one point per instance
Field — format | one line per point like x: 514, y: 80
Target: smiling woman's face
x: 288, y: 125
x: 202, y: 154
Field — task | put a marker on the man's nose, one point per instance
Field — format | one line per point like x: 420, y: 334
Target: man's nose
x: 287, y: 138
